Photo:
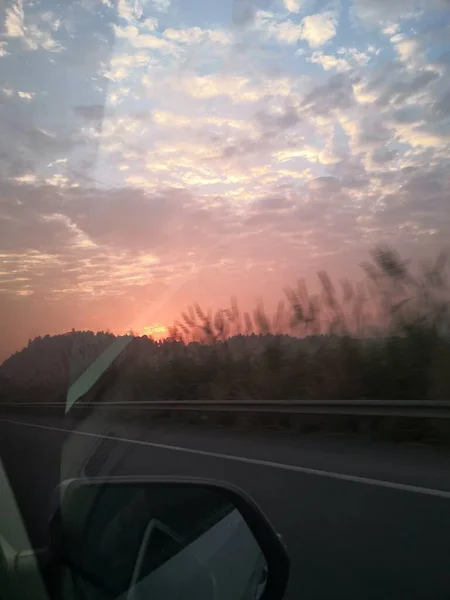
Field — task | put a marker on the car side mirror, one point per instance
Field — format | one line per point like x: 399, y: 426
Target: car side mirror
x: 166, y: 539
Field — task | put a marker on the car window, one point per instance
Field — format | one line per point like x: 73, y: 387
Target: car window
x: 237, y: 210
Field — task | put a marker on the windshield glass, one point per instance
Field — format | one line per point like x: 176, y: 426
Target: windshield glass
x: 242, y: 201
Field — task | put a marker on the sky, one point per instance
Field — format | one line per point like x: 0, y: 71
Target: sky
x: 156, y: 153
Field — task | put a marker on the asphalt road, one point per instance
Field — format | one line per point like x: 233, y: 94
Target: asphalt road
x: 361, y: 520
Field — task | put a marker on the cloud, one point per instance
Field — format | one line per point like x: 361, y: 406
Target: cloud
x: 336, y: 93
x: 441, y: 107
x: 210, y: 86
x: 26, y: 95
x: 244, y: 147
x: 131, y: 219
x: 319, y: 28
x: 407, y: 49
x: 171, y: 119
x: 36, y: 34
x: 305, y: 151
x: 137, y: 39
x: 14, y: 19
x: 286, y: 32
x: 293, y: 5
x: 374, y: 13
x: 35, y: 143
x: 52, y: 222
x: 75, y: 250
x: 161, y: 5
x: 325, y: 184
x: 419, y: 136
x: 123, y: 66
x: 316, y: 29
x: 398, y: 86
x: 329, y: 61
x: 282, y: 119
x: 356, y: 56
x: 37, y: 38
x: 195, y: 35
x: 165, y: 223
x: 272, y: 203
x: 383, y: 155
x: 22, y: 225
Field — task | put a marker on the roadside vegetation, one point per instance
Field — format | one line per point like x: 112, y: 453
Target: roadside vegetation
x: 386, y: 337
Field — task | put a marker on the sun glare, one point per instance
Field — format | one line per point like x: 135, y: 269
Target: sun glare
x: 157, y: 331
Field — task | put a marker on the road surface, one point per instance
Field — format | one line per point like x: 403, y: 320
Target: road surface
x: 360, y: 519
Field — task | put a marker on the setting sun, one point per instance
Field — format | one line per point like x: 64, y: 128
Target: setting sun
x: 156, y: 331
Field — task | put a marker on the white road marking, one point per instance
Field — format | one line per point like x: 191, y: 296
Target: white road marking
x: 253, y: 461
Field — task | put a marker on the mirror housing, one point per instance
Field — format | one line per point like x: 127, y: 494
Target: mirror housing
x: 238, y: 532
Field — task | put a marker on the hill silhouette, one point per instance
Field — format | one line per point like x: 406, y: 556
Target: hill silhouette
x: 51, y: 364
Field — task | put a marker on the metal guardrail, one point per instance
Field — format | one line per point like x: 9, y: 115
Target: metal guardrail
x: 381, y: 408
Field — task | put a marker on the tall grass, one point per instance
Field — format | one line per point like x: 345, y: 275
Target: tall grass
x: 384, y: 337
x: 389, y: 300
